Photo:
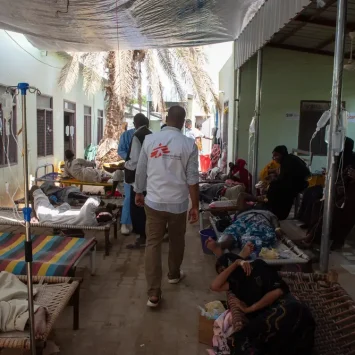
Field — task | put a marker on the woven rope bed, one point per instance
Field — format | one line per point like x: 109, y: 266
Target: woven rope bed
x: 8, y: 218
x: 54, y: 293
x: 331, y: 306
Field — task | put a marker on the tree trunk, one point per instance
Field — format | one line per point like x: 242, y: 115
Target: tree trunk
x: 114, y: 114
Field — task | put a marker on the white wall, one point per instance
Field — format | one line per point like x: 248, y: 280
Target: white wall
x: 226, y: 86
x: 18, y: 66
x: 288, y: 78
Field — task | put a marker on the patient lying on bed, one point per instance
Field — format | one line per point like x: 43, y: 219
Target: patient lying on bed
x: 14, y: 314
x: 68, y: 194
x: 91, y: 213
x: 84, y: 170
x: 260, y: 227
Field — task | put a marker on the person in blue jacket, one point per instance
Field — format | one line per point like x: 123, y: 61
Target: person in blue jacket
x: 123, y: 147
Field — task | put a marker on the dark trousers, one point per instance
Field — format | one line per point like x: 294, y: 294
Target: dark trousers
x: 137, y: 216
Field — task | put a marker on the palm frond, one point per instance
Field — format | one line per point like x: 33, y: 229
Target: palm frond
x: 191, y: 64
x: 69, y: 74
x: 92, y: 72
x: 166, y: 60
x: 124, y: 82
x: 154, y: 81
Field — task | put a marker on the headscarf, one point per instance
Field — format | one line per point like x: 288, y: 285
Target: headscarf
x: 348, y: 154
x: 244, y: 175
x: 281, y: 149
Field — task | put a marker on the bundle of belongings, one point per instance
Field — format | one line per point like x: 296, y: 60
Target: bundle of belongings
x: 14, y: 315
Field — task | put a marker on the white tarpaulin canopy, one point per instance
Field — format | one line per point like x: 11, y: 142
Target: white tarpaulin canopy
x: 101, y: 25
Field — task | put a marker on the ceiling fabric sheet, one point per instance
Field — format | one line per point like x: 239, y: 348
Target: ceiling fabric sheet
x: 101, y: 25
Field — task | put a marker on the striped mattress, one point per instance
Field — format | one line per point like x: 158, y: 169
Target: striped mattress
x: 52, y: 255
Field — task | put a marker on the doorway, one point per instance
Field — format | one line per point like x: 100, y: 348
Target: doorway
x: 69, y: 126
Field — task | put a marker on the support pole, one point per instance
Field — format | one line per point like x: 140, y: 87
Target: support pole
x: 259, y: 72
x: 237, y: 85
x: 335, y: 116
x: 23, y: 87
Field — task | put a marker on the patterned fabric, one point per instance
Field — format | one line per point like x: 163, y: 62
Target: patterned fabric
x: 238, y: 317
x: 251, y: 227
x: 52, y: 255
x: 286, y: 327
x: 222, y: 330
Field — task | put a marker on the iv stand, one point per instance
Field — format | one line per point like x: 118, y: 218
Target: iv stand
x: 22, y: 88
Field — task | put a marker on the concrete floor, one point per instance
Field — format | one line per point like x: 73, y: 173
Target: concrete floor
x: 114, y: 316
x: 113, y: 313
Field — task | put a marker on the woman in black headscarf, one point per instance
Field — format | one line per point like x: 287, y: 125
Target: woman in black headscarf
x: 277, y: 322
x: 291, y: 181
x: 343, y: 214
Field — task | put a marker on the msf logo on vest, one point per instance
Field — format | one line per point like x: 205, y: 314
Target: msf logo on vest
x: 159, y: 151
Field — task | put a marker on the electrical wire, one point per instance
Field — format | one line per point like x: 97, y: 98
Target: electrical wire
x: 52, y: 66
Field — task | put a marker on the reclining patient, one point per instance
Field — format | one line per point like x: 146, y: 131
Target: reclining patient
x: 84, y: 170
x: 91, y: 213
x: 277, y: 323
x: 14, y: 314
x: 257, y: 226
x: 68, y: 194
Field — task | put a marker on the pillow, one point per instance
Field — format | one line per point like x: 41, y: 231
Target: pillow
x: 238, y: 317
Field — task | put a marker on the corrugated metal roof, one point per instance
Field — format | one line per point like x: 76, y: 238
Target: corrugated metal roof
x: 271, y: 17
x: 311, y: 30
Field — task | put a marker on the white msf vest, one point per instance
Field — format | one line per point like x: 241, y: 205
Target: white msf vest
x: 168, y: 152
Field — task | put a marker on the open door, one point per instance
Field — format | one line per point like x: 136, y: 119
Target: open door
x: 69, y: 126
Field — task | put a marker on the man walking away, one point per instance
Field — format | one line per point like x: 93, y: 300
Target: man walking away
x: 138, y: 217
x: 168, y: 164
x: 123, y: 148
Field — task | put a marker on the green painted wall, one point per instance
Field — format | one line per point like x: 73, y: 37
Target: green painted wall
x: 288, y: 78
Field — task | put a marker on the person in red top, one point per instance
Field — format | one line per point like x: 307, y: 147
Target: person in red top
x: 240, y: 174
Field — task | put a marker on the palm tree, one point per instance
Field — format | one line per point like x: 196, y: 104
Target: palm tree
x: 184, y: 67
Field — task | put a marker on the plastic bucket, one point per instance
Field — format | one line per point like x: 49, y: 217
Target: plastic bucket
x: 205, y: 162
x: 205, y: 234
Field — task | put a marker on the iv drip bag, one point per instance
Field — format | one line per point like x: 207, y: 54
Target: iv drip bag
x: 252, y: 127
x: 6, y: 105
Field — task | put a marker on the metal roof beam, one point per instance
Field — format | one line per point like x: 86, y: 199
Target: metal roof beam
x: 300, y: 49
x: 311, y: 18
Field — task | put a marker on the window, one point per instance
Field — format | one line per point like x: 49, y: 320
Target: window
x: 87, y: 126
x: 44, y: 126
x: 310, y: 113
x: 100, y: 125
x: 8, y: 132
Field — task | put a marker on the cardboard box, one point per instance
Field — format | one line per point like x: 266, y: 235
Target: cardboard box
x: 205, y: 330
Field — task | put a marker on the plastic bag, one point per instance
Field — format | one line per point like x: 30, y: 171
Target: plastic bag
x: 212, y: 310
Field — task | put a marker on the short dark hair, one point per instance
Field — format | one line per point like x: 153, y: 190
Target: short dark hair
x: 163, y: 126
x: 140, y: 120
x: 176, y: 116
x: 69, y: 154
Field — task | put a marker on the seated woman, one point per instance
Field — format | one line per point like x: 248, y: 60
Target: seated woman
x: 82, y: 170
x: 311, y: 212
x: 291, y: 181
x: 237, y: 172
x: 259, y: 226
x: 278, y: 323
